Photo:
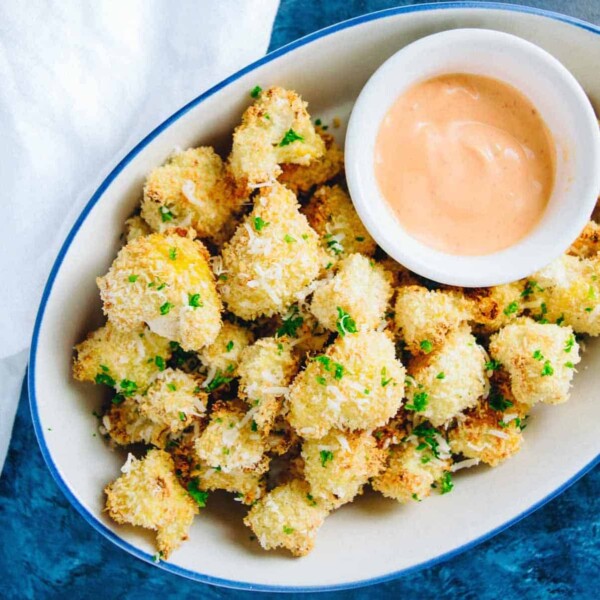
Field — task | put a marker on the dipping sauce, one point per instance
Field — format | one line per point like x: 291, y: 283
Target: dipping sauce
x: 466, y: 163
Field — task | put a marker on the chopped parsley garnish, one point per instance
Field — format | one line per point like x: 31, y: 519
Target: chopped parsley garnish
x: 290, y: 137
x: 118, y: 399
x: 229, y: 346
x: 530, y: 288
x: 588, y: 309
x: 172, y: 253
x: 498, y: 402
x: 428, y: 435
x: 330, y: 366
x: 165, y: 308
x: 492, y: 365
x: 291, y: 323
x: 128, y: 387
x: 181, y: 416
x: 255, y: 91
x: 359, y: 238
x: 512, y: 308
x: 259, y: 224
x: 172, y: 387
x: 560, y: 319
x: 538, y: 355
x: 318, y: 122
x: 385, y: 380
x: 289, y: 239
x: 446, y: 482
x: 426, y: 346
x: 253, y: 425
x: 570, y: 343
x: 321, y: 380
x: 218, y: 380
x: 105, y: 378
x: 441, y: 375
x: 419, y: 403
x: 165, y: 214
x: 196, y: 493
x: 194, y: 301
x: 159, y: 361
x: 326, y: 456
x: 304, y: 236
x: 541, y: 318
x: 311, y: 500
x: 329, y: 265
x: 547, y: 369
x: 345, y: 323
x: 569, y: 365
x: 333, y: 244
x: 132, y: 278
x: 416, y: 498
x: 287, y: 530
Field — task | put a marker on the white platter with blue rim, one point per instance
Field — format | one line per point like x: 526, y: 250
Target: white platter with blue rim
x: 373, y: 539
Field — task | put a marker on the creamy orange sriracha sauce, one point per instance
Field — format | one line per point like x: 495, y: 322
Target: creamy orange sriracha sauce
x: 466, y: 163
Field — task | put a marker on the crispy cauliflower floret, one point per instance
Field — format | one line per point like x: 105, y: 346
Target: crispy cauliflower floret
x: 497, y: 306
x: 126, y: 360
x: 356, y: 384
x: 540, y: 360
x: 226, y: 350
x: 149, y: 495
x: 410, y: 473
x: 587, y: 245
x: 359, y: 288
x: 281, y: 438
x: 136, y: 227
x: 568, y: 293
x: 287, y: 517
x: 400, y: 274
x: 488, y: 435
x: 275, y: 129
x: 248, y: 486
x: 272, y: 256
x: 302, y: 178
x: 266, y: 370
x: 338, y: 465
x: 230, y: 441
x: 448, y: 380
x: 173, y: 399
x: 331, y: 214
x: 192, y: 189
x: 426, y: 317
x: 166, y: 282
x: 126, y: 425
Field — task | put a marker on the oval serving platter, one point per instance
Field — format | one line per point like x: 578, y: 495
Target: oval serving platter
x: 373, y: 539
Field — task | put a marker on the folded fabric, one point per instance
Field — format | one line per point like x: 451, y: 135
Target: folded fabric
x: 81, y: 84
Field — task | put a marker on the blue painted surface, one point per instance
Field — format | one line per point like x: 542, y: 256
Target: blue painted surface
x: 47, y: 550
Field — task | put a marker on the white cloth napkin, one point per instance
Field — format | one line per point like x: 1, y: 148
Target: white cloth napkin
x: 80, y: 84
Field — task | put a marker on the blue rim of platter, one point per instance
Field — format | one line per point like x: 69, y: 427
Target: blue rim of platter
x: 89, y: 517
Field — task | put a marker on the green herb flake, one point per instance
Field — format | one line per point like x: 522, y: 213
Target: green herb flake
x: 359, y: 238
x: 569, y: 344
x: 447, y: 484
x: 118, y: 399
x: 172, y: 253
x: 419, y: 403
x: 547, y: 369
x: 159, y: 361
x: 218, y: 380
x: 385, y: 380
x: 289, y: 239
x: 105, y: 378
x: 326, y: 456
x: 165, y: 214
x: 229, y: 346
x: 172, y: 387
x: 492, y: 365
x: 291, y: 323
x: 426, y: 346
x: 345, y: 323
x: 321, y: 380
x: 259, y: 224
x: 287, y: 530
x: 329, y: 265
x: 253, y: 425
x: 194, y: 301
x: 166, y: 308
x: 497, y: 401
x: 196, y: 493
x: 311, y: 500
x: 255, y: 91
x: 128, y: 387
x: 318, y: 122
x: 569, y: 365
x: 181, y: 416
x: 531, y: 287
x: 441, y: 375
x: 538, y: 355
x: 132, y: 278
x: 512, y: 308
x: 290, y: 137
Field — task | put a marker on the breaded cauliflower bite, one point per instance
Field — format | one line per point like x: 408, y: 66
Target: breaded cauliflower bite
x: 357, y: 384
x: 540, y: 359
x: 276, y: 129
x: 223, y: 355
x: 567, y: 292
x: 272, y: 256
x: 448, y: 380
x: 135, y: 227
x: 338, y: 465
x: 173, y: 399
x: 302, y: 178
x: 410, y: 473
x: 164, y: 281
x: 126, y: 425
x: 248, y: 486
x: 192, y: 189
x: 425, y: 317
x: 488, y: 435
x: 149, y: 495
x: 125, y: 360
x: 287, y: 517
x: 230, y: 441
x: 331, y: 214
x: 266, y: 370
x: 587, y: 245
x: 360, y: 288
x: 495, y: 307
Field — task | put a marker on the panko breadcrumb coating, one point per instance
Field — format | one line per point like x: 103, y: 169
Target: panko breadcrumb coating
x: 495, y: 307
x: 302, y: 178
x: 356, y: 384
x: 149, y: 495
x: 126, y: 425
x: 287, y: 517
x: 135, y: 227
x: 248, y: 486
x: 173, y: 399
x: 567, y: 292
x: 425, y: 317
x: 272, y: 256
x: 275, y: 129
x: 587, y: 245
x: 488, y: 435
x: 400, y: 274
x: 338, y: 465
x: 192, y: 189
x: 266, y: 370
x: 448, y: 380
x: 331, y: 214
x: 223, y: 355
x: 164, y: 281
x: 123, y: 359
x: 230, y: 442
x: 410, y: 473
x: 360, y: 287
x: 540, y: 359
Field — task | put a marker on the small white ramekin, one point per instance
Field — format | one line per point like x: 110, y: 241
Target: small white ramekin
x: 562, y: 104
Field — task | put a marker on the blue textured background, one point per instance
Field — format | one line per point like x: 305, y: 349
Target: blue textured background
x: 48, y: 551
